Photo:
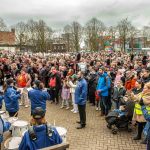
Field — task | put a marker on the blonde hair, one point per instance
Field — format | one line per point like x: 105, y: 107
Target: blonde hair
x: 34, y: 122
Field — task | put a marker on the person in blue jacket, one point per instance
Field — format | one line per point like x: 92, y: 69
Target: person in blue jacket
x: 11, y: 97
x: 4, y: 126
x: 102, y: 89
x: 38, y: 97
x: 1, y: 101
x: 80, y: 99
x: 40, y: 135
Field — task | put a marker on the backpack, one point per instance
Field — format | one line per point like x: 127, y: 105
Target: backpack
x: 32, y: 133
x: 52, y: 82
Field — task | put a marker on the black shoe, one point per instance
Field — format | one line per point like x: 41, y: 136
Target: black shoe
x: 136, y: 138
x: 80, y: 127
x: 78, y: 122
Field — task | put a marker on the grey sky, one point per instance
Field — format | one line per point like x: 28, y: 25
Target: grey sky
x: 58, y: 13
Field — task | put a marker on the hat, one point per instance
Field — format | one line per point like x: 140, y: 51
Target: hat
x: 9, y: 81
x: 102, y: 68
x: 37, y: 82
x: 38, y: 113
x: 74, y: 76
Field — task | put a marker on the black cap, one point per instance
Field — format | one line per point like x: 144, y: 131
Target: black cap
x: 38, y: 113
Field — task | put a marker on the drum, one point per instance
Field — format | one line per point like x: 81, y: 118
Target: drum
x: 12, y: 119
x: 12, y: 143
x: 2, y: 112
x: 4, y: 115
x: 18, y: 127
x: 62, y: 132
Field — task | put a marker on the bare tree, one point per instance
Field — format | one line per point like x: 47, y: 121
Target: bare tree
x: 76, y: 31
x: 95, y: 29
x: 132, y: 35
x: 43, y: 35
x: 3, y: 26
x: 123, y: 28
x: 21, y: 33
x: 68, y: 36
x: 112, y: 30
x: 146, y: 34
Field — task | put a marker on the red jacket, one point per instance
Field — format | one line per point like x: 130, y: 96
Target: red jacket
x: 130, y: 84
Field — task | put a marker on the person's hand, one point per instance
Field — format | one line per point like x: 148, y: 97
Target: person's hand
x: 141, y: 102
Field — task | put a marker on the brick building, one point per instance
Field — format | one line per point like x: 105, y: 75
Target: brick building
x: 8, y: 40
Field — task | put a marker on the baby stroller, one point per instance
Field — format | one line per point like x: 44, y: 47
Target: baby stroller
x: 121, y: 119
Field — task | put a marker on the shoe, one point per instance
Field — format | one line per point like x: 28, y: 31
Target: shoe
x: 67, y: 108
x: 75, y: 112
x: 26, y: 106
x: 97, y: 109
x: 136, y: 138
x: 72, y: 110
x: 62, y: 107
x: 80, y: 127
x: 78, y: 122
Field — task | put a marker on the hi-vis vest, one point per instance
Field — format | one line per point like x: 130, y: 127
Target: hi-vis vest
x: 138, y: 108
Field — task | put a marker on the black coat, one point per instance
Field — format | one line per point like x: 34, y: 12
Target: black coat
x: 118, y: 93
x: 92, y: 83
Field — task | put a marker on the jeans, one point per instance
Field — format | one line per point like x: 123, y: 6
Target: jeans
x: 104, y: 105
x: 116, y: 104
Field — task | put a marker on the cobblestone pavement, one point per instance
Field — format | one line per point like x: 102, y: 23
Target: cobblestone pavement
x: 95, y: 136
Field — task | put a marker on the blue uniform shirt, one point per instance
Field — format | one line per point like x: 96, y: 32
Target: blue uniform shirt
x: 42, y: 141
x: 38, y: 98
x: 4, y: 126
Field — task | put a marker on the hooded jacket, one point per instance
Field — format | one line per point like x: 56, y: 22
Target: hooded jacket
x: 11, y: 97
x: 42, y: 141
x: 104, y: 84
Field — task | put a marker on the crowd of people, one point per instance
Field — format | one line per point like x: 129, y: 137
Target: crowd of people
x: 104, y: 79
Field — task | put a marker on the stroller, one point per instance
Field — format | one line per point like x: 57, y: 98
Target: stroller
x: 121, y: 119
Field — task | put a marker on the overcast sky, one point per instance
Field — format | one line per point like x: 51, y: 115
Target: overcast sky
x: 58, y: 13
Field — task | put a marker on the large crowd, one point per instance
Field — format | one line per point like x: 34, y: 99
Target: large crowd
x: 109, y: 81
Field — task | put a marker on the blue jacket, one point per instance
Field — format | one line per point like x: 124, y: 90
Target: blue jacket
x: 147, y: 118
x: 81, y: 92
x: 4, y: 126
x: 1, y: 99
x: 38, y: 98
x: 103, y: 84
x: 11, y: 97
x: 42, y: 140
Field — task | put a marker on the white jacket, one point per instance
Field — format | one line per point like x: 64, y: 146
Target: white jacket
x: 72, y: 87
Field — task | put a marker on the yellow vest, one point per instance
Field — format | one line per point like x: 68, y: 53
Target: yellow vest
x: 138, y: 109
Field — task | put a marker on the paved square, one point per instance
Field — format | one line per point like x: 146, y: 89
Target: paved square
x: 95, y: 136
